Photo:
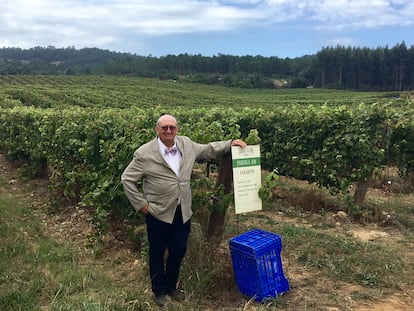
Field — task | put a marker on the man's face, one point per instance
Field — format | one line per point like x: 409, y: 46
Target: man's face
x: 167, y: 129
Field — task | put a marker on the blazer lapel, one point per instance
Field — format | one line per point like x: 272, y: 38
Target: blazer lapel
x: 155, y: 147
x: 180, y: 145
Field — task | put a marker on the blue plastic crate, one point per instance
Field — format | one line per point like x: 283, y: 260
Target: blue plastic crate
x: 257, y: 264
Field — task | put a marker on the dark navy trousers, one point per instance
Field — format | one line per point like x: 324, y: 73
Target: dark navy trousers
x: 164, y: 236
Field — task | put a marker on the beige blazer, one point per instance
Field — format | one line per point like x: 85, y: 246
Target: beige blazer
x: 161, y: 188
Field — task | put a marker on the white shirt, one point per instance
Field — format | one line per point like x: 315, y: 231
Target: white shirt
x: 173, y: 160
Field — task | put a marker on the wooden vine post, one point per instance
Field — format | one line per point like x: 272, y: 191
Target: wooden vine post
x: 216, y: 222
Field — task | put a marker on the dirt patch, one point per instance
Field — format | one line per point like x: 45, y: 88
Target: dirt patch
x: 71, y: 223
x: 369, y: 235
x: 390, y: 304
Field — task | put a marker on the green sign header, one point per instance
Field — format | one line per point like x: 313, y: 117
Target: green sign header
x: 246, y: 162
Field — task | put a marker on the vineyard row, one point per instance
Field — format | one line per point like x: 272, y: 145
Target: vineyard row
x: 84, y: 150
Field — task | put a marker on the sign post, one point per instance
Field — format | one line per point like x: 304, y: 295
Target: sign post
x: 246, y: 178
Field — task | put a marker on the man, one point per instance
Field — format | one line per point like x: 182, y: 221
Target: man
x: 164, y: 166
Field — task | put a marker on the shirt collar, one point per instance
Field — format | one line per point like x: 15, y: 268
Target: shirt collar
x: 163, y: 146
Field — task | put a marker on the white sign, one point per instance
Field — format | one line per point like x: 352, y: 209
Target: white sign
x: 246, y: 178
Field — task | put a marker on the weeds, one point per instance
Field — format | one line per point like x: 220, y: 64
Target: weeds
x: 39, y: 272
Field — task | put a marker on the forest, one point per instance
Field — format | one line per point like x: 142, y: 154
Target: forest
x: 340, y: 67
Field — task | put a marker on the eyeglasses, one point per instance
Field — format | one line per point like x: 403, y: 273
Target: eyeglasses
x: 170, y: 127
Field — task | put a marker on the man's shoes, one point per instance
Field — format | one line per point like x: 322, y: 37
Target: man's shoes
x: 160, y: 300
x: 177, y: 295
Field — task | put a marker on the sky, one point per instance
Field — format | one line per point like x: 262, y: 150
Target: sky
x: 281, y: 28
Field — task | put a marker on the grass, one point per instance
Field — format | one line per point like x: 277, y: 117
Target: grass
x: 41, y: 272
x: 346, y: 259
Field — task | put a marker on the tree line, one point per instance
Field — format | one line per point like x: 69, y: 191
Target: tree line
x: 365, y: 69
x: 340, y: 67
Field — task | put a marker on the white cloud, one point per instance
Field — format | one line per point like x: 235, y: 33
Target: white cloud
x: 28, y: 23
x: 361, y: 14
x: 342, y: 41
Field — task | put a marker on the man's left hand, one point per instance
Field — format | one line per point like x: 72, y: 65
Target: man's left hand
x: 238, y: 142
